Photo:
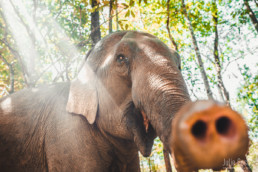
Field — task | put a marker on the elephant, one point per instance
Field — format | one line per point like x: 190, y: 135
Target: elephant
x: 127, y: 93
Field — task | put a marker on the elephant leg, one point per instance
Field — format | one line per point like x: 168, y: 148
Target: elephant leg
x: 134, y: 165
x: 125, y: 164
x: 72, y: 156
x: 73, y: 145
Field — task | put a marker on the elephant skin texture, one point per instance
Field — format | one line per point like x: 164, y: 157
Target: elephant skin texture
x: 127, y: 93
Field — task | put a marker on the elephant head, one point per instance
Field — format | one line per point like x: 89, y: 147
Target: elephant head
x: 131, y: 87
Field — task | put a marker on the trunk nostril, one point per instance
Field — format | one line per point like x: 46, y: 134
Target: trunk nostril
x: 199, y: 129
x: 224, y: 126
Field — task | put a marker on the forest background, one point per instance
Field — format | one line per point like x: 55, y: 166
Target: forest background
x: 45, y: 41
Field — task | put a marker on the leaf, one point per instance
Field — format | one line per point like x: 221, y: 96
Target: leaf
x: 105, y: 2
x: 121, y: 25
x: 127, y: 13
x: 131, y: 3
x: 85, y: 2
x: 132, y: 13
x: 101, y: 7
x: 125, y: 5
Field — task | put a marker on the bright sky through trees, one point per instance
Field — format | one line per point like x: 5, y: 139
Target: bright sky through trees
x: 45, y: 41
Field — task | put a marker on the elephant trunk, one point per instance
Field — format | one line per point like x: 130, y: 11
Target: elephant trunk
x: 159, y: 95
x: 199, y: 135
x: 206, y: 134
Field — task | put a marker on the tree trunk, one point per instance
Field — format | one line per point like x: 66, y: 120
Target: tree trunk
x: 117, y: 24
x: 251, y: 14
x: 95, y: 27
x: 245, y: 166
x: 256, y: 3
x: 198, y: 54
x: 216, y: 56
x: 167, y: 161
x: 110, y: 15
x: 169, y: 34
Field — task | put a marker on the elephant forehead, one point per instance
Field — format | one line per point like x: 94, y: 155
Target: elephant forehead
x: 144, y: 41
x: 115, y: 38
x: 128, y: 42
x: 137, y: 35
x: 156, y: 50
x: 154, y: 43
x: 154, y: 56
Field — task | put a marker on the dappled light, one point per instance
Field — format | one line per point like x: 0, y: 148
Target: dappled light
x: 23, y: 41
x: 38, y: 42
x: 58, y: 44
x: 35, y: 90
x: 107, y: 61
x: 6, y: 105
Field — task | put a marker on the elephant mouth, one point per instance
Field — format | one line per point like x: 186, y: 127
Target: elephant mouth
x: 143, y: 132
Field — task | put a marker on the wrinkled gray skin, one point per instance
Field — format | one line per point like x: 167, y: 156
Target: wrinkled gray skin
x: 95, y: 123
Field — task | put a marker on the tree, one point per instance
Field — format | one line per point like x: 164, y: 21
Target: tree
x: 95, y: 27
x: 197, y: 51
x: 61, y: 32
x: 110, y: 15
x: 221, y: 85
x: 251, y: 15
x: 168, y: 28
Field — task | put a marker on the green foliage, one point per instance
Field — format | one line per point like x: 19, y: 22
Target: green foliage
x: 63, y: 39
x: 155, y: 162
x: 248, y: 97
x: 253, y: 156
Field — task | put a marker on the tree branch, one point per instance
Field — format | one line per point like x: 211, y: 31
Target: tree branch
x: 31, y: 72
x: 256, y: 3
x: 225, y: 68
x: 60, y: 9
x: 46, y: 69
x: 169, y: 33
x: 85, y: 42
x: 190, y: 88
x: 35, y: 3
x: 251, y: 15
x: 23, y: 22
x: 216, y: 56
x: 13, y: 51
x: 197, y: 51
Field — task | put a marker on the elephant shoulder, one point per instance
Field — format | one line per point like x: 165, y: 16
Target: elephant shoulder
x: 29, y: 110
x: 24, y: 119
x: 30, y: 99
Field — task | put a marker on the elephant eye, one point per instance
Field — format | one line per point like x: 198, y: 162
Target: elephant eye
x: 122, y: 59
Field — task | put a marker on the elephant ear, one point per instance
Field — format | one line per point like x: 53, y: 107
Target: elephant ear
x: 176, y: 58
x: 83, y: 95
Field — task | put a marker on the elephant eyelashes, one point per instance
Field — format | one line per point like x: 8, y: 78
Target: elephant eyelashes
x: 122, y: 59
